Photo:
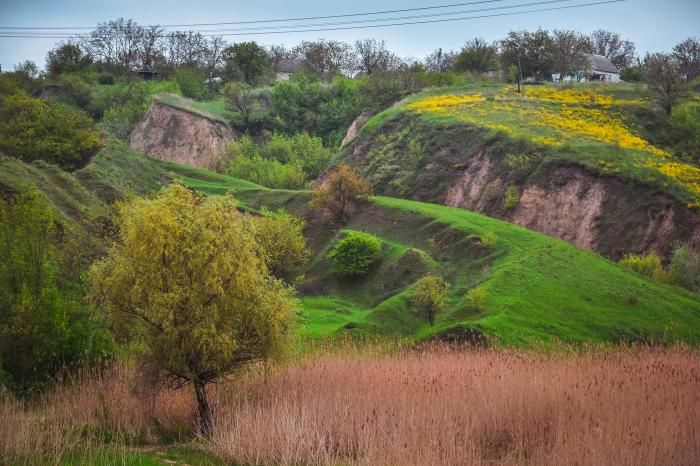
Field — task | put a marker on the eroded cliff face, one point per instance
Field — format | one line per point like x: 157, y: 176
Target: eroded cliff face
x: 177, y: 135
x: 591, y: 211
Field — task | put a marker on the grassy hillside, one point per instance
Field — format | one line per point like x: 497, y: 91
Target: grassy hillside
x: 597, y: 127
x: 536, y: 287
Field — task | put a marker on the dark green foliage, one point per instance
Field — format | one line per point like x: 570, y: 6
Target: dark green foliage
x: 354, y: 254
x: 43, y: 329
x: 247, y: 61
x: 66, y: 58
x: 477, y: 56
x: 31, y: 129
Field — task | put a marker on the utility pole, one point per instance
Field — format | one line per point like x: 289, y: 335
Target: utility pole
x: 520, y: 73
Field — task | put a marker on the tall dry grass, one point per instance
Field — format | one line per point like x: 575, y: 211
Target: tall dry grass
x: 630, y: 407
x: 83, y: 415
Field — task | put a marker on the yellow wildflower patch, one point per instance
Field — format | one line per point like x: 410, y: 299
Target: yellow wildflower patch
x: 439, y: 103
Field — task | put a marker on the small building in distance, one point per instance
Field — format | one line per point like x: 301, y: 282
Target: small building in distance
x: 147, y: 75
x: 287, y: 67
x: 600, y: 69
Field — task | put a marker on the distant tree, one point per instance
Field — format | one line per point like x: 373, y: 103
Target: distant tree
x: 338, y: 194
x: 569, y: 52
x: 609, y: 44
x: 241, y: 98
x: 440, y: 60
x: 277, y: 54
x: 662, y: 74
x: 250, y: 59
x: 684, y: 129
x: 354, y: 254
x: 115, y: 42
x: 186, y: 48
x: 373, y: 56
x: 27, y: 69
x: 531, y: 52
x: 429, y: 297
x: 326, y: 58
x: 687, y: 55
x: 66, y: 58
x: 31, y: 129
x: 477, y: 56
x: 190, y: 280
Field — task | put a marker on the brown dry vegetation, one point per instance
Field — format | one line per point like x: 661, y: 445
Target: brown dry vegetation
x: 434, y: 406
x: 445, y: 407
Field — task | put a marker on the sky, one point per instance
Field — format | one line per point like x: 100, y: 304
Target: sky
x: 653, y: 25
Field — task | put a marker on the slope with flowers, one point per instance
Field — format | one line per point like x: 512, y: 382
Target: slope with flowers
x: 571, y: 162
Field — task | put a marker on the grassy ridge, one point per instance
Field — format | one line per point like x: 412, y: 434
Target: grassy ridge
x: 536, y: 287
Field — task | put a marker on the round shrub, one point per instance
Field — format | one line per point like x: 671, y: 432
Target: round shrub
x: 354, y: 254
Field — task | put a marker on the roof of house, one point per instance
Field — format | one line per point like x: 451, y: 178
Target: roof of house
x: 601, y: 63
x: 290, y: 65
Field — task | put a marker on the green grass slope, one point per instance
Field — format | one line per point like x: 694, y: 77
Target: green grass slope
x: 537, y: 287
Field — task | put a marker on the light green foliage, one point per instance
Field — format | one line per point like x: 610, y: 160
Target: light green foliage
x: 354, y: 254
x: 487, y: 239
x: 43, y: 329
x: 283, y: 162
x: 189, y: 278
x: 281, y: 236
x: 429, y: 296
x: 685, y: 267
x: 511, y: 198
x: 476, y: 297
x: 685, y: 130
x: 648, y: 264
x: 31, y: 129
x: 301, y: 150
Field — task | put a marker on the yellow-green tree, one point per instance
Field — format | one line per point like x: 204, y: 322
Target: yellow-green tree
x: 430, y: 296
x: 189, y: 277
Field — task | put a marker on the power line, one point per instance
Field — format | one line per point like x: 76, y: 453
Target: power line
x: 339, y: 23
x: 280, y: 20
x: 370, y: 26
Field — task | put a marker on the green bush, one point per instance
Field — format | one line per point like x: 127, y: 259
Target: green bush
x: 685, y: 131
x: 354, y: 254
x: 283, y: 162
x: 649, y: 265
x: 685, y: 267
x: 191, y: 83
x: 266, y: 172
x: 44, y: 329
x: 31, y: 129
x: 511, y: 198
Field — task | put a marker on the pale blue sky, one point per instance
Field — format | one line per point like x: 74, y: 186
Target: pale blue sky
x: 654, y: 25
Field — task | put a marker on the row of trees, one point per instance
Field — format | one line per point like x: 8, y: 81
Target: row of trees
x: 126, y: 45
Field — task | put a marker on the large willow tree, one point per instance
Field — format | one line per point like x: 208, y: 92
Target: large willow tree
x: 189, y: 277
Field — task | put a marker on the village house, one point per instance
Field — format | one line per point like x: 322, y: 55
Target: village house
x: 600, y: 69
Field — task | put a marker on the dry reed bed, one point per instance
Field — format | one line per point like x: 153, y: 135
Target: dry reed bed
x: 479, y: 407
x: 436, y: 406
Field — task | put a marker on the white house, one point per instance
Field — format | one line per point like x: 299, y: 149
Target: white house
x: 600, y: 69
x: 287, y: 67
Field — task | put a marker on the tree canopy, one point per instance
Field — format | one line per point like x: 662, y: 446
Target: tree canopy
x: 189, y: 277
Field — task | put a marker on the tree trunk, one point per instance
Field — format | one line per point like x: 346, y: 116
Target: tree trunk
x: 206, y: 423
